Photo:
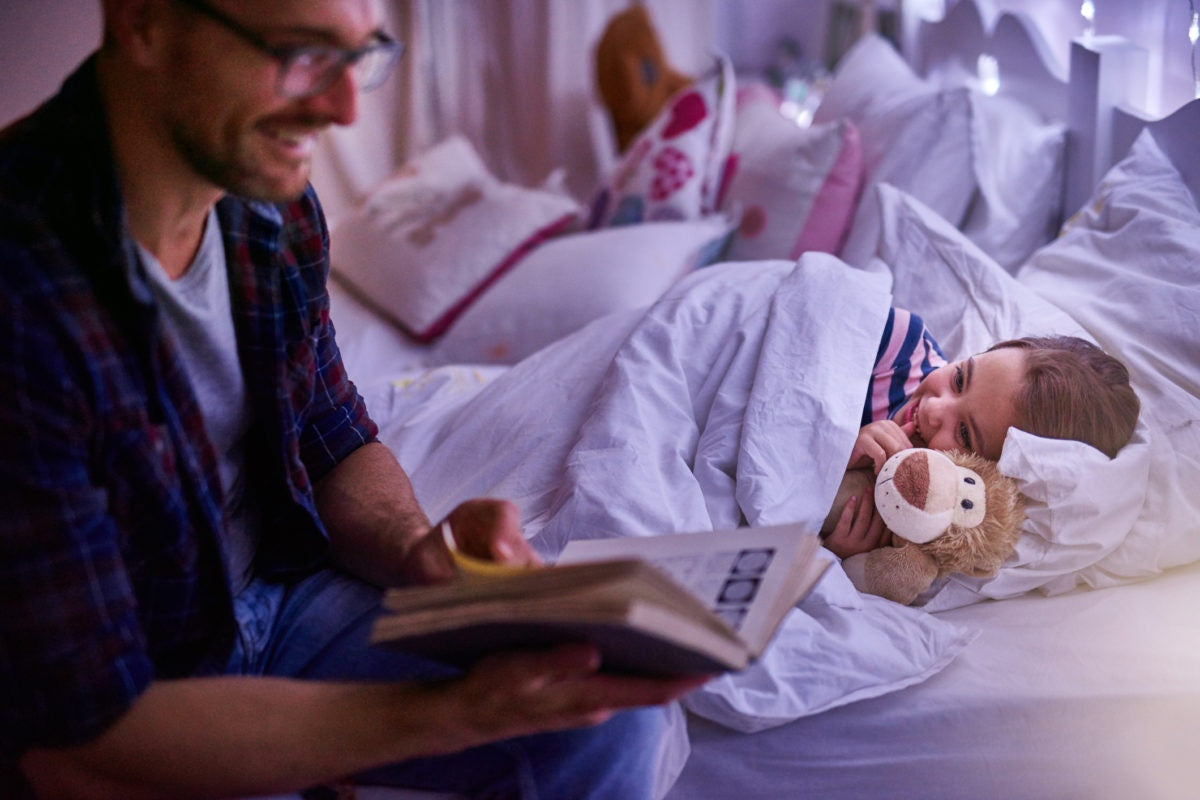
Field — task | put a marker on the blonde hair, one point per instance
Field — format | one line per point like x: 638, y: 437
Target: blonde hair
x: 1074, y: 390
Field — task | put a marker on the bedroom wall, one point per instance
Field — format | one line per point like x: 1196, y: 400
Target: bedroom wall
x: 536, y: 55
x: 41, y: 41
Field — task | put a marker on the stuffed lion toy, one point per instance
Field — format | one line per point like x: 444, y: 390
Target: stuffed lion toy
x: 948, y: 512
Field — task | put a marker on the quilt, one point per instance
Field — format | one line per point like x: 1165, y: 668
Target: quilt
x: 732, y: 401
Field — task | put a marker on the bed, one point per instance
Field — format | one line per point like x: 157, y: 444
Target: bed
x: 572, y: 361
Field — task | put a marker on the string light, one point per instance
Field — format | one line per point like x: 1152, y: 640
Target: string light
x: 1193, y: 36
x: 988, y: 69
x: 1088, y: 12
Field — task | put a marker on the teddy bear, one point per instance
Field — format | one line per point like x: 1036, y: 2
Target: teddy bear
x: 632, y: 74
x: 948, y: 512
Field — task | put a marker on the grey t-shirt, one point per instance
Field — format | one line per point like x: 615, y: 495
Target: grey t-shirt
x: 197, y: 311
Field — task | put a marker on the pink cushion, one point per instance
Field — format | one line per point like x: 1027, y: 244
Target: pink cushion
x: 795, y: 188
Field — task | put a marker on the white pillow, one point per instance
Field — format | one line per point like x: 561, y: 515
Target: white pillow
x: 1018, y: 160
x: 1127, y: 266
x: 914, y: 135
x: 967, y: 300
x: 1084, y: 507
x: 433, y: 236
x: 573, y: 279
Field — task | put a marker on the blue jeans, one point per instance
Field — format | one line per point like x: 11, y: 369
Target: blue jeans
x: 319, y: 628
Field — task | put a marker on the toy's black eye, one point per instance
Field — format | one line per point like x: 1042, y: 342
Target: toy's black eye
x: 969, y: 480
x: 649, y: 72
x: 968, y: 505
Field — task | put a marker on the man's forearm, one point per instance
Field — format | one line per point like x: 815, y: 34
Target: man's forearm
x: 373, y: 518
x: 236, y: 736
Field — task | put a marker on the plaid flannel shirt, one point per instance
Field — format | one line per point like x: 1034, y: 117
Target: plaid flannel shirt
x: 111, y: 570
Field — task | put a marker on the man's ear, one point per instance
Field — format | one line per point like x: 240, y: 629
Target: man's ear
x: 136, y: 28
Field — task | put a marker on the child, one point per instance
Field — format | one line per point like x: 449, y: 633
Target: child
x: 1059, y: 387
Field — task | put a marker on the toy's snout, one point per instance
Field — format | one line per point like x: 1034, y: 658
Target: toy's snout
x: 921, y: 492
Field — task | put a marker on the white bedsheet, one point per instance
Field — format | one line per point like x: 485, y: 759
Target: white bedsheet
x: 1093, y: 694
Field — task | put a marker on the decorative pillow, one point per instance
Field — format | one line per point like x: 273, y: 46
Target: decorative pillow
x: 914, y: 136
x: 1084, y: 506
x: 1018, y: 160
x: 795, y: 189
x: 571, y: 280
x: 675, y: 169
x: 432, y: 237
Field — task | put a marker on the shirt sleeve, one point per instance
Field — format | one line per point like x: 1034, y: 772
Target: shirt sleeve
x: 337, y: 422
x: 907, y: 353
x: 73, y: 654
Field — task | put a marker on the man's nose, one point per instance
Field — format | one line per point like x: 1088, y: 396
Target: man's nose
x: 339, y: 102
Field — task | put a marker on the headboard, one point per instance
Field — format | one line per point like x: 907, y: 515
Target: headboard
x: 1022, y: 59
x: 1098, y: 95
x: 1178, y: 134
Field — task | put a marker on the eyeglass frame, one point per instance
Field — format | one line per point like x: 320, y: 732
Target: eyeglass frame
x: 286, y: 56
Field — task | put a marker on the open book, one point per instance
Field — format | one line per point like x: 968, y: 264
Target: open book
x: 677, y: 604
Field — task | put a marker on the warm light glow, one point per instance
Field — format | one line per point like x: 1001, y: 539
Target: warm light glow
x: 989, y: 74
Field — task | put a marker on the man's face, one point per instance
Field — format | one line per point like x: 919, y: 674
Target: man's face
x: 223, y: 111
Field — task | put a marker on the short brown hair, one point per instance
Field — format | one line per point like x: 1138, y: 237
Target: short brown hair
x: 1074, y: 390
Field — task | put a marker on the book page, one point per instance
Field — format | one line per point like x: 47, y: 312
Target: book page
x: 748, y: 577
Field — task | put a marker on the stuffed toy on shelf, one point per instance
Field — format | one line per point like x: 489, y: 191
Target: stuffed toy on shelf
x: 948, y: 512
x: 632, y: 73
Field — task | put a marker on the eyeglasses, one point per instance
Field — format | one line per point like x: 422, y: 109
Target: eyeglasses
x: 308, y: 70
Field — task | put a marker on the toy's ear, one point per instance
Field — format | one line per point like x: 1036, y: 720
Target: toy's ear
x: 981, y: 549
x: 632, y: 74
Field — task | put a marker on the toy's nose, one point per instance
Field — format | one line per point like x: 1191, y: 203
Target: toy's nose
x: 914, y: 482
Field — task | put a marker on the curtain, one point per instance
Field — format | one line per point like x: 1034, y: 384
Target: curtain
x: 515, y: 77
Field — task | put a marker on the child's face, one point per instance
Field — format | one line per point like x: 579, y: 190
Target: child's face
x: 966, y: 405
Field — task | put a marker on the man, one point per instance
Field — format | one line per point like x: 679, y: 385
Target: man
x: 196, y: 511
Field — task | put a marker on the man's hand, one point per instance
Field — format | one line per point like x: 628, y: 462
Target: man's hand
x: 484, y: 529
x: 877, y: 441
x: 519, y: 693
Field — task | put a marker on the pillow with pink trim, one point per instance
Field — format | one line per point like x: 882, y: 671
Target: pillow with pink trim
x: 429, y: 240
x: 676, y: 168
x: 795, y: 189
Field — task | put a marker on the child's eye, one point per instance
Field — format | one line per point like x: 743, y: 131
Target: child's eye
x: 958, y: 378
x: 964, y: 434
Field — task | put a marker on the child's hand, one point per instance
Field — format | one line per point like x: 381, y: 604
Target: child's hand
x: 877, y: 441
x: 859, y: 528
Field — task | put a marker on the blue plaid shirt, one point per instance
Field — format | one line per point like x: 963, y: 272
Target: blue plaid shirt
x: 111, y: 570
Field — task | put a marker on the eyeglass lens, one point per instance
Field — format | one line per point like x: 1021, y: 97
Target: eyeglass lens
x: 311, y: 71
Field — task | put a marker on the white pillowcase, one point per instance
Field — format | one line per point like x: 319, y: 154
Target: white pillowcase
x: 1086, y: 511
x: 966, y: 300
x: 433, y: 236
x: 1128, y: 268
x: 1018, y: 160
x: 573, y: 279
x: 990, y: 165
x: 914, y: 135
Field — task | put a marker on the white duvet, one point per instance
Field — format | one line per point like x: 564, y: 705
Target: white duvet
x: 732, y: 401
